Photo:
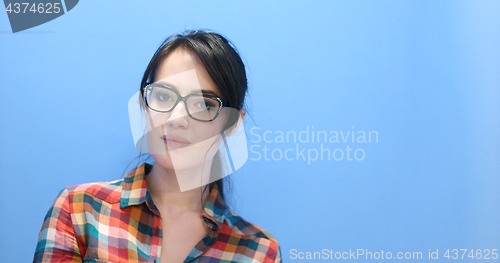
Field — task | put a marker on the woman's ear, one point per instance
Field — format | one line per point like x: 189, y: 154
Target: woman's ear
x: 242, y: 114
x: 235, y: 127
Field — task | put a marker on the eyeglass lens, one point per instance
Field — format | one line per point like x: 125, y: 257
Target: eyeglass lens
x: 198, y: 106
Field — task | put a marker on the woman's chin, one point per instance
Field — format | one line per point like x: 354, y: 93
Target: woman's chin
x: 173, y: 161
x: 164, y: 160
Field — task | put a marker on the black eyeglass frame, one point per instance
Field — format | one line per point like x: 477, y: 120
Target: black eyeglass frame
x: 222, y: 102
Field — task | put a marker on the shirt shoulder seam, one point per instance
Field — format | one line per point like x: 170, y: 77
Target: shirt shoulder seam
x: 85, y: 189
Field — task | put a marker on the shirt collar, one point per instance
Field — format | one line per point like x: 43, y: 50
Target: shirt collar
x: 134, y: 187
x: 135, y: 192
x: 215, y: 208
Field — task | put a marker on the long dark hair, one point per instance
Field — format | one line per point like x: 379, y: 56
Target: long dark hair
x: 222, y: 62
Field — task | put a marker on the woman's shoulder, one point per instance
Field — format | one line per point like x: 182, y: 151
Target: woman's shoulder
x: 241, y: 226
x: 108, y: 191
x: 240, y: 232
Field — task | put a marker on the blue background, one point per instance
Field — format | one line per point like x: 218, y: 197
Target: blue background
x: 424, y: 74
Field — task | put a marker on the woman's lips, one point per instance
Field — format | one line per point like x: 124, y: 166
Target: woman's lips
x: 175, y: 142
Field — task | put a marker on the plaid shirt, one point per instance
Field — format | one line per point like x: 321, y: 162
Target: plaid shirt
x: 118, y: 222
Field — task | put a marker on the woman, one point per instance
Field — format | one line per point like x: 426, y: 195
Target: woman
x: 191, y: 97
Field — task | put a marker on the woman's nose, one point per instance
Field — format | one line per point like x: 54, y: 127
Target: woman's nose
x: 178, y: 116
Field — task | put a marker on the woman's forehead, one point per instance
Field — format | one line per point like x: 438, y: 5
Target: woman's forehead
x: 183, y: 81
x: 184, y: 70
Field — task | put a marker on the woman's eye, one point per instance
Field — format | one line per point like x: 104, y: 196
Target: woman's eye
x: 205, y: 105
x: 163, y: 97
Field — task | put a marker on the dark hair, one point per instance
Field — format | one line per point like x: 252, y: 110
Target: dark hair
x: 222, y: 62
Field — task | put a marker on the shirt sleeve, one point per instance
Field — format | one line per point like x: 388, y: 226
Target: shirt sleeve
x: 278, y: 256
x: 56, y: 240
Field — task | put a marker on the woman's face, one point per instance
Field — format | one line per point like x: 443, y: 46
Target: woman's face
x: 175, y: 140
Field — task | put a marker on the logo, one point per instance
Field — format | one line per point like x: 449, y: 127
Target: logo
x: 27, y: 14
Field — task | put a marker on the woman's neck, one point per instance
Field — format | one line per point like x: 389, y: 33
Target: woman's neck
x: 167, y: 195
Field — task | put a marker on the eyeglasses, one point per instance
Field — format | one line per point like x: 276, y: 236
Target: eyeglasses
x: 201, y: 107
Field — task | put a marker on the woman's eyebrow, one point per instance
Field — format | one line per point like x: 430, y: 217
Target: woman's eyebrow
x: 168, y: 84
x: 203, y: 91
x: 209, y: 92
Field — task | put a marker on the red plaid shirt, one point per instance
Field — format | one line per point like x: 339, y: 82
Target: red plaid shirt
x: 118, y: 222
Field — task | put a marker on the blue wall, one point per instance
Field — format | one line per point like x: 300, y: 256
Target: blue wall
x: 424, y: 76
